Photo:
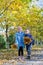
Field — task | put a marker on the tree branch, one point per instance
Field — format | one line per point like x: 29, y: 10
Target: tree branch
x: 6, y: 7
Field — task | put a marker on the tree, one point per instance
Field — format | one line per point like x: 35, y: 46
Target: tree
x: 11, y: 12
x: 15, y: 13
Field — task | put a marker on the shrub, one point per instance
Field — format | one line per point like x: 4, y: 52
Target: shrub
x: 2, y: 42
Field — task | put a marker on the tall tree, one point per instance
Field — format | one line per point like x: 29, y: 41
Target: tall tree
x: 12, y: 11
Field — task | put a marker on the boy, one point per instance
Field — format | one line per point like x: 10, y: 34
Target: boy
x: 29, y: 42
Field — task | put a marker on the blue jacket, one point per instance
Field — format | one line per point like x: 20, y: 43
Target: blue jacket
x: 19, y: 39
x: 30, y: 36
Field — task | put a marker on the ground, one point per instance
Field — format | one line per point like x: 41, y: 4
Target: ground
x: 9, y: 57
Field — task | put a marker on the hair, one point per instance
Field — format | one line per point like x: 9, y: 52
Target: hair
x: 27, y: 31
x: 19, y: 28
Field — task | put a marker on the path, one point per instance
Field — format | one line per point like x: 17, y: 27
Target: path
x: 36, y: 59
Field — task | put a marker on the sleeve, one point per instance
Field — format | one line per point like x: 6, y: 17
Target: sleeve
x: 23, y: 34
x: 31, y: 37
x: 32, y: 40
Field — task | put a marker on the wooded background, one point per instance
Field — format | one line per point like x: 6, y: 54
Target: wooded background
x: 14, y: 13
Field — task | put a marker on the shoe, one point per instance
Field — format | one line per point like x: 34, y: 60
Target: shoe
x: 28, y: 57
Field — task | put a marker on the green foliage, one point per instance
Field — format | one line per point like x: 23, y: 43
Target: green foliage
x: 2, y: 42
x: 11, y: 39
x: 26, y: 1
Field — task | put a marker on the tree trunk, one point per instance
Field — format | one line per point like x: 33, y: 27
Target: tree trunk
x: 7, y: 42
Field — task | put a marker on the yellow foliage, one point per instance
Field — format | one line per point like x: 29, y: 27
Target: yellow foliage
x: 14, y: 24
x: 13, y: 46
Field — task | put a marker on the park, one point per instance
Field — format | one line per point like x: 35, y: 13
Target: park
x: 27, y: 14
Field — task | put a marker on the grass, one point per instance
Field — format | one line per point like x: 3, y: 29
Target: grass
x: 37, y: 47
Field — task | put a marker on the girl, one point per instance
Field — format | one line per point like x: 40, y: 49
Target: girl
x: 19, y: 41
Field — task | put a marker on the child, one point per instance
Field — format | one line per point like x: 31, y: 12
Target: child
x: 19, y: 41
x: 29, y: 44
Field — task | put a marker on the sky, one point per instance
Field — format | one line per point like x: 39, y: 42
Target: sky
x: 38, y: 3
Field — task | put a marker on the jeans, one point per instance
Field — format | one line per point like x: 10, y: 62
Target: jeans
x: 28, y: 49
